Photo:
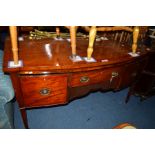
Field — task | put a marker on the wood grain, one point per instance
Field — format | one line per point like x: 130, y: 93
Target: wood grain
x: 37, y: 59
x: 32, y: 86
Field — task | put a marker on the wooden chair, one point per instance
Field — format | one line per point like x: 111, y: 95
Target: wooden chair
x: 92, y: 34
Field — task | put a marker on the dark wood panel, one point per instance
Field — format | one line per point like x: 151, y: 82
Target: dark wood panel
x: 17, y: 88
x: 150, y: 67
x: 129, y: 74
x: 145, y: 86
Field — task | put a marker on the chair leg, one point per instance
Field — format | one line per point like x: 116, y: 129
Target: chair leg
x: 92, y: 35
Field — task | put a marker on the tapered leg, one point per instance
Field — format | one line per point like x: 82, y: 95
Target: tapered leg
x: 24, y: 117
x: 130, y: 92
x: 128, y: 96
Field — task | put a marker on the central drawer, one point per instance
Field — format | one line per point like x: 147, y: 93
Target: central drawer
x: 85, y: 78
x: 44, y: 90
x: 94, y: 77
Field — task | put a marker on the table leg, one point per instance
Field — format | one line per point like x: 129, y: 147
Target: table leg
x: 24, y: 117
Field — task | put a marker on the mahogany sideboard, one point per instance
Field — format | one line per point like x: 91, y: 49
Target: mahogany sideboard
x: 49, y: 77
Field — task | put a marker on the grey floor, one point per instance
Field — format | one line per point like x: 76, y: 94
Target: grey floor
x: 95, y: 111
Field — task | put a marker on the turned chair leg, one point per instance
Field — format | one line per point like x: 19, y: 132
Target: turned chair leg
x: 92, y: 35
x: 73, y: 40
x: 14, y: 42
x: 135, y: 39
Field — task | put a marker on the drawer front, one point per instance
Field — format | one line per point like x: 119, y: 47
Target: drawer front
x: 85, y: 78
x: 93, y: 77
x: 44, y: 90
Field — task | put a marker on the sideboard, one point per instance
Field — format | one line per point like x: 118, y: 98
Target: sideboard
x: 48, y: 76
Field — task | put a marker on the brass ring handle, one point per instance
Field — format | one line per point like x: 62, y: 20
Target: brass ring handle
x: 84, y: 79
x: 45, y: 91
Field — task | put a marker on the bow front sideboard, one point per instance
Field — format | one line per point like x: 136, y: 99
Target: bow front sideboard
x: 48, y: 77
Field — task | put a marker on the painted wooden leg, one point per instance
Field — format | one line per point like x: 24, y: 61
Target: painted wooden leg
x: 73, y: 40
x: 58, y: 32
x: 24, y: 117
x: 14, y: 42
x: 135, y: 39
x: 92, y: 35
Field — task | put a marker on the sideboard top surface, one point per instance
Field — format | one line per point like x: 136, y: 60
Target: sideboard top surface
x: 54, y: 55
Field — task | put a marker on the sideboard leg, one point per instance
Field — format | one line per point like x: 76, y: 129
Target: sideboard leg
x: 130, y: 92
x: 24, y: 117
x: 128, y: 97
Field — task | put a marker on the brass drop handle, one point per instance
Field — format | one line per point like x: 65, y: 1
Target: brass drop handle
x: 113, y: 75
x: 45, y: 91
x: 84, y: 79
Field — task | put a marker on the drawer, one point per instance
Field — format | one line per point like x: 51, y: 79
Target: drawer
x: 93, y: 77
x: 85, y: 78
x: 44, y: 90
